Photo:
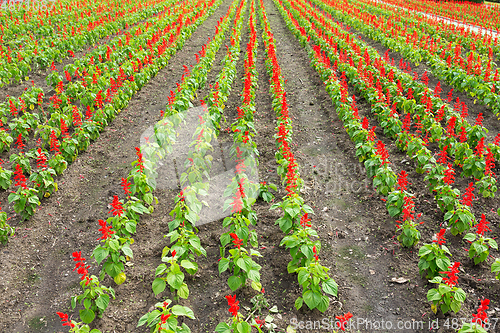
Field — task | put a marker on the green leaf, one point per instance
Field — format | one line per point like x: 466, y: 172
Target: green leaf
x: 188, y: 265
x: 183, y: 291
x: 159, y: 285
x: 330, y: 287
x: 312, y: 299
x: 102, y: 302
x: 323, y: 304
x: 433, y: 295
x: 87, y: 316
x: 234, y: 282
x: 223, y: 328
x: 223, y: 265
x: 298, y: 303
x: 180, y: 310
x: 175, y: 279
x: 100, y: 254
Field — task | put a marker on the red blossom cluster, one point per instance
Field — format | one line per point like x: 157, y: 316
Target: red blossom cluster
x: 117, y: 209
x: 468, y: 195
x: 236, y: 241
x: 140, y: 159
x: 19, y: 177
x: 482, y: 226
x: 403, y: 181
x: 105, y: 230
x: 41, y: 161
x: 481, y: 317
x: 81, y: 268
x: 233, y: 305
x: 440, y: 237
x: 451, y: 275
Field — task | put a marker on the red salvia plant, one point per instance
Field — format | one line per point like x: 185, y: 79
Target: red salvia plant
x: 80, y: 267
x: 425, y: 78
x: 19, y: 142
x: 438, y: 89
x: 480, y: 148
x: 105, y: 230
x: 481, y: 317
x: 365, y: 124
x: 64, y: 129
x: 117, y: 209
x: 315, y: 252
x: 402, y: 181
x: 479, y: 120
x: 443, y: 156
x: 440, y: 114
x: 465, y: 110
x: 382, y: 152
x: 450, y: 95
x: 126, y: 186
x: 236, y: 241
x: 19, y: 177
x: 54, y: 143
x: 406, y: 123
x: 140, y: 159
x: 463, y: 134
x: 77, y: 119
x: 482, y: 226
x: 65, y: 320
x: 305, y: 221
x: 451, y: 276
x: 237, y: 204
x: 450, y: 129
x: 440, y: 239
x: 468, y: 195
x: 449, y: 175
x: 233, y: 305
x: 490, y: 163
x: 342, y: 321
x: 41, y: 161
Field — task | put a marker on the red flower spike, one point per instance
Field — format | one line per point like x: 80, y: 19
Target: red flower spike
x: 468, y: 195
x: 105, y: 230
x: 482, y: 226
x: 305, y: 221
x: 403, y: 181
x: 236, y: 241
x: 65, y: 320
x: 233, y: 305
x: 19, y: 177
x: 126, y: 186
x: 440, y: 237
x: 117, y: 207
x: 342, y: 320
x: 452, y: 278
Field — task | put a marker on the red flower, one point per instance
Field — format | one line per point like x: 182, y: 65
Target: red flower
x: 19, y: 177
x: 304, y: 221
x: 80, y: 266
x: 443, y: 156
x: 449, y: 175
x: 54, y: 143
x: 259, y: 322
x: 480, y: 147
x: 481, y: 317
x: 402, y: 181
x: 126, y: 186
x: 19, y: 142
x: 140, y: 159
x: 41, y: 161
x: 440, y: 237
x: 382, y: 152
x: 164, y: 318
x: 342, y: 320
x: 482, y: 226
x: 174, y: 253
x: 468, y: 195
x: 65, y: 320
x: 237, y: 242
x: 452, y: 278
x: 233, y: 305
x: 117, y: 207
x: 479, y: 120
x: 105, y: 230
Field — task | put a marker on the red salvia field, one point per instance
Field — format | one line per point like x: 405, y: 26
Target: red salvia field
x: 249, y: 166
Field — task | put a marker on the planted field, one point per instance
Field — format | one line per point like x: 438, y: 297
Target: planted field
x: 249, y: 165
